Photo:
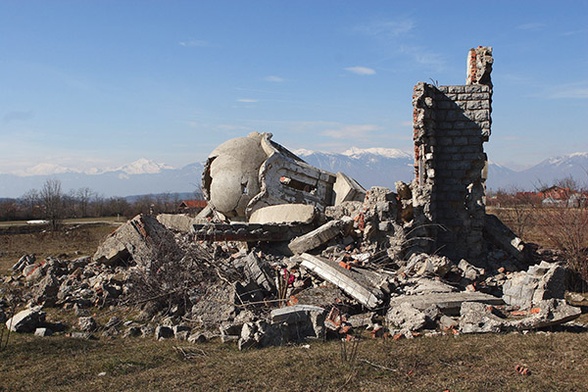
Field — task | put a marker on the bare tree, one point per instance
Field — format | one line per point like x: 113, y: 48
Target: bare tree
x: 31, y: 203
x: 565, y: 225
x: 83, y: 198
x: 52, y: 199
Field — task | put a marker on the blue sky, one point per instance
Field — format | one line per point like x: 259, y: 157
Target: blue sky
x: 102, y: 83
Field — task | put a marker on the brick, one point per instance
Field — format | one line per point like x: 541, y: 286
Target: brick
x: 456, y: 89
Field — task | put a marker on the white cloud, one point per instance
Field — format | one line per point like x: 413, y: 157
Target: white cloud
x: 361, y: 70
x: 273, y: 78
x: 194, y: 43
x: 387, y: 28
x: 351, y: 131
x: 569, y: 91
x: 424, y: 56
x: 247, y: 100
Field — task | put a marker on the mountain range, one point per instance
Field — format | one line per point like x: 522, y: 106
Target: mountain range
x: 370, y: 167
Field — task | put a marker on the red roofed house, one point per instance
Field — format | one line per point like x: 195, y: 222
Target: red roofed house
x: 192, y: 206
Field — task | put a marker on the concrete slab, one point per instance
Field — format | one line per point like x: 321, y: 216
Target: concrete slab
x: 351, y: 282
x: 448, y: 303
x: 284, y: 213
x: 321, y: 235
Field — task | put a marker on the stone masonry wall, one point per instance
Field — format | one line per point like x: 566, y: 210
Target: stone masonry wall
x: 451, y: 123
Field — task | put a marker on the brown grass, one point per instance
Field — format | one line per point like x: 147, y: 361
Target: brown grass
x: 68, y: 243
x: 464, y: 363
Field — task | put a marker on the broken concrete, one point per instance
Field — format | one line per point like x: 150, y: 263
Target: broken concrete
x: 142, y: 239
x: 421, y: 264
x: 300, y: 321
x: 258, y: 272
x: 245, y: 174
x: 540, y: 282
x: 480, y: 318
x: 177, y: 222
x: 230, y: 178
x: 406, y: 317
x: 448, y: 303
x: 27, y: 320
x: 259, y: 334
x: 42, y: 332
x: 551, y: 312
x: 321, y: 235
x: 249, y: 232
x: 354, y: 283
x: 23, y: 262
x: 347, y: 189
x: 87, y: 324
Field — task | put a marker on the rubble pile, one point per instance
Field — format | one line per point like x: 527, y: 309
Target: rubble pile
x: 343, y: 277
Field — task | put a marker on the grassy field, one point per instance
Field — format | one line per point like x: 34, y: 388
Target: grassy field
x: 74, y: 240
x: 557, y: 361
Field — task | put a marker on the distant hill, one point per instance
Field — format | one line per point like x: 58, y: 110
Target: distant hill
x: 138, y: 178
x: 370, y: 167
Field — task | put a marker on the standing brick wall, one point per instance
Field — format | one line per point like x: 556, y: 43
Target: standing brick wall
x: 451, y: 123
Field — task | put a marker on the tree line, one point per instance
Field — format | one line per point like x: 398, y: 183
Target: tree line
x: 51, y: 203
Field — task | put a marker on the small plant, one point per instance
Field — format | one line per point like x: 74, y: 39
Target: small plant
x: 11, y: 300
x: 349, y: 349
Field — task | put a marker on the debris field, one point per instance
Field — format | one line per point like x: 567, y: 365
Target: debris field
x: 286, y: 252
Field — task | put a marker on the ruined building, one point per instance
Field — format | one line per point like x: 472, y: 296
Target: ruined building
x: 451, y: 124
x: 441, y: 212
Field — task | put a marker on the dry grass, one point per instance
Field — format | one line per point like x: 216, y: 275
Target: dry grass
x: 537, y: 225
x: 464, y: 363
x: 70, y: 242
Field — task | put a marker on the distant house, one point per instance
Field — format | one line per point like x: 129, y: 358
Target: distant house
x: 557, y: 196
x: 192, y: 206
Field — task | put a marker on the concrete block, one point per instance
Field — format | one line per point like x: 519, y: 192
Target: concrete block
x: 347, y: 189
x: 141, y: 239
x: 43, y: 332
x: 284, y: 213
x: 406, y: 317
x: 176, y: 222
x: 321, y: 235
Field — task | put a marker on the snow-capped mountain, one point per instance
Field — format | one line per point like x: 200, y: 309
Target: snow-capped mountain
x: 392, y: 153
x: 369, y: 167
x: 140, y: 177
x: 556, y: 168
x: 45, y: 169
x: 144, y: 166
